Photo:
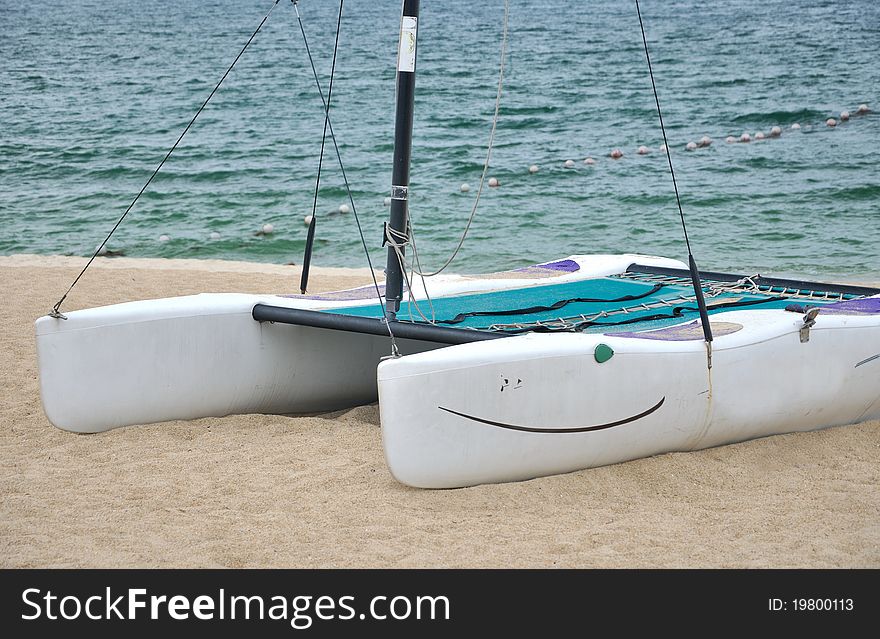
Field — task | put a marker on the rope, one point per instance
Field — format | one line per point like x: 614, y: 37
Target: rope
x: 488, y: 150
x: 418, y: 263
x: 398, y: 241
x: 329, y: 123
x: 56, y: 312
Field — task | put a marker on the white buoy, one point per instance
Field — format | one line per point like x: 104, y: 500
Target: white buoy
x: 386, y: 201
x: 759, y: 135
x: 690, y: 146
x: 775, y: 132
x: 730, y: 139
x: 569, y: 164
x: 464, y: 188
x: 589, y: 161
x: 164, y: 238
x: 863, y: 109
x: 795, y: 126
x: 616, y: 154
x: 662, y: 148
x: 101, y: 249
x: 705, y: 140
x: 533, y: 168
x: 268, y: 229
x: 214, y: 235
x: 493, y: 181
x: 307, y: 220
x: 344, y: 208
x: 831, y: 122
x: 643, y: 150
x: 745, y: 137
x: 844, y: 116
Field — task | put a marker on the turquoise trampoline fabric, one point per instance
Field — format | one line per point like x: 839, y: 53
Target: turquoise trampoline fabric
x: 441, y: 310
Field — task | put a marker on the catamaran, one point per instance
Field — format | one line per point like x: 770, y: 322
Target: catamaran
x: 569, y: 364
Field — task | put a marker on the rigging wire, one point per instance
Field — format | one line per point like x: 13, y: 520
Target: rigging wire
x: 329, y: 123
x: 310, y: 238
x: 56, y: 312
x: 695, y: 273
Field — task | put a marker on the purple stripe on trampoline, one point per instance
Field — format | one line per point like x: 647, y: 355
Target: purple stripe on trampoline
x: 567, y: 266
x: 683, y: 332
x: 866, y: 306
x: 362, y: 293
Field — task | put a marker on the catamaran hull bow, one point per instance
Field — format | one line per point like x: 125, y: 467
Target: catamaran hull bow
x: 197, y: 356
x: 543, y: 404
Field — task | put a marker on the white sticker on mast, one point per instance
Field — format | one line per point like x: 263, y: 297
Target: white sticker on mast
x: 406, y: 54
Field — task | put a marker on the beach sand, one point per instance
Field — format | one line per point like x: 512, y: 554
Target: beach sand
x: 269, y: 491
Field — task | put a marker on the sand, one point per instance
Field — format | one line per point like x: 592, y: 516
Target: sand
x: 269, y: 491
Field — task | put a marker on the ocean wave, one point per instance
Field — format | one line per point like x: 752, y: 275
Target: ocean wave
x: 771, y: 118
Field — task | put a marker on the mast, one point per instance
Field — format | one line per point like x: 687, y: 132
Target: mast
x: 403, y: 123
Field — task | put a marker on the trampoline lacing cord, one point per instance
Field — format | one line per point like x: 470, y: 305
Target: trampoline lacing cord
x: 744, y: 285
x: 569, y: 323
x: 747, y: 284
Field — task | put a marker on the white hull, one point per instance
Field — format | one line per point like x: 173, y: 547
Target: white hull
x: 204, y: 355
x: 198, y: 356
x: 450, y: 417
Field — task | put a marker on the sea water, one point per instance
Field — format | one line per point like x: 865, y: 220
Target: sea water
x: 93, y: 94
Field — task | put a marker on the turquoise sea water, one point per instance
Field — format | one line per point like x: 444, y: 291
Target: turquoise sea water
x: 93, y: 94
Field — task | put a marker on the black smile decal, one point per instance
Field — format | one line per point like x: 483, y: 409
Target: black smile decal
x: 582, y: 429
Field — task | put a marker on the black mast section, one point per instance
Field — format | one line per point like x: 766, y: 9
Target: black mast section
x: 403, y: 124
